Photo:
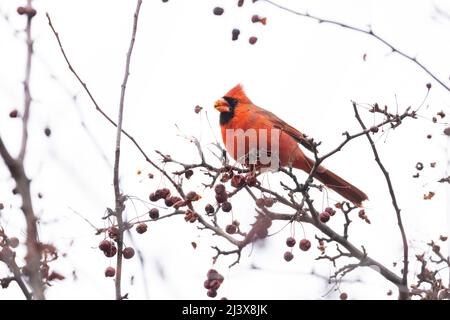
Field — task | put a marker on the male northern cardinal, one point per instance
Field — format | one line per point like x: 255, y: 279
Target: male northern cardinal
x: 238, y: 112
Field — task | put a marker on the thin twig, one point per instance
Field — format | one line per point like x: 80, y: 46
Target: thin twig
x: 119, y: 198
x: 403, y: 293
x: 367, y: 32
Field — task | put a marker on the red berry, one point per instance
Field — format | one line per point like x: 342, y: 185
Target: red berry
x: 330, y: 210
x: 141, y: 228
x: 290, y: 242
x: 209, y: 209
x: 113, y: 232
x: 21, y: 10
x: 207, y: 284
x: 128, y: 253
x: 343, y: 296
x: 215, y: 285
x: 212, y: 274
x: 235, y: 34
x: 221, y: 197
x: 111, y: 252
x: 305, y: 244
x: 268, y: 202
x: 288, y: 256
x: 105, y: 245
x: 153, y: 197
x: 324, y: 217
x: 226, y: 206
x: 13, y: 242
x: 252, y: 40
x: 14, y: 113
x: 212, y: 293
x: 237, y: 181
x: 231, y: 229
x: 219, y: 189
x: 110, y: 272
x: 154, y: 213
x: 218, y: 11
x: 259, y: 202
x: 250, y: 180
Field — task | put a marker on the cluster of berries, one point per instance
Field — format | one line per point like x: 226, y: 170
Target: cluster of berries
x: 212, y: 283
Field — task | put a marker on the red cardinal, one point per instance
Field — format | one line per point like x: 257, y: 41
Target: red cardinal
x: 238, y: 112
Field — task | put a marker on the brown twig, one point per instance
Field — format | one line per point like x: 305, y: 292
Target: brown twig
x: 366, y: 32
x: 119, y: 198
x: 403, y: 293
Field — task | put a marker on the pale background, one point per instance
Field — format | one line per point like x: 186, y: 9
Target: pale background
x: 305, y: 72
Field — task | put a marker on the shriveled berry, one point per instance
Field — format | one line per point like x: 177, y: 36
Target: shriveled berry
x: 235, y: 34
x: 428, y: 86
x: 128, y: 253
x: 105, y: 245
x: 252, y: 40
x: 343, y: 296
x: 259, y: 202
x: 192, y: 196
x: 305, y: 244
x: 14, y: 113
x: 237, y: 181
x: 113, y: 232
x: 212, y: 274
x: 154, y: 213
x: 153, y: 197
x: 221, y: 197
x: 288, y: 256
x: 212, y: 293
x: 13, y: 242
x: 330, y: 210
x: 226, y: 206
x: 111, y: 252
x: 209, y: 209
x: 374, y: 129
x: 141, y: 228
x: 290, y: 242
x: 215, y: 284
x: 197, y: 109
x: 171, y: 200
x: 268, y: 202
x: 218, y: 11
x: 110, y: 272
x: 220, y: 188
x: 231, y: 229
x: 47, y: 132
x: 240, y: 3
x: 250, y: 180
x: 324, y: 217
x: 188, y: 174
x: 207, y: 284
x: 162, y: 193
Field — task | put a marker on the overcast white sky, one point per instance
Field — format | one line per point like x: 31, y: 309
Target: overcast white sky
x: 305, y: 72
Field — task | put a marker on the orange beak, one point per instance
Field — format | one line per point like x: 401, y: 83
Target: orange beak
x: 222, y: 106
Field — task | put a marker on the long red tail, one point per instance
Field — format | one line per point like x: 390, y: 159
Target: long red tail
x: 334, y: 182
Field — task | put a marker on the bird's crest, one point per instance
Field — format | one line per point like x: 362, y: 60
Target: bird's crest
x: 238, y: 93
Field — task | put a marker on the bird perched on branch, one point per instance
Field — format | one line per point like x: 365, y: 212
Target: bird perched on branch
x: 238, y: 116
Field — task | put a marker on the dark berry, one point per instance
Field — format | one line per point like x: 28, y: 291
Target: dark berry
x: 255, y: 18
x: 47, y: 131
x: 288, y: 256
x: 192, y: 196
x: 21, y: 10
x: 13, y: 242
x: 259, y: 202
x: 209, y: 209
x: 235, y: 34
x: 153, y: 197
x: 428, y: 86
x: 215, y: 285
x: 218, y: 11
x: 330, y: 210
x: 252, y: 40
x: 231, y: 229
x: 207, y: 284
x: 226, y: 206
x: 212, y: 274
x: 111, y: 252
x: 212, y: 293
x: 237, y: 181
x: 305, y: 244
x: 197, y: 109
x: 240, y: 3
x: 110, y: 272
x: 162, y: 193
x: 14, y: 113
x: 268, y: 202
x: 343, y: 296
x: 154, y: 213
x: 113, y: 232
x: 128, y: 253
x: 290, y: 242
x: 221, y: 197
x: 170, y: 201
x: 374, y: 129
x: 141, y: 228
x: 324, y: 217
x: 250, y: 180
x: 105, y: 245
x: 220, y: 188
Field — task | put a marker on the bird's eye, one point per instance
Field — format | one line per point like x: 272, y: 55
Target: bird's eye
x: 232, y: 102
